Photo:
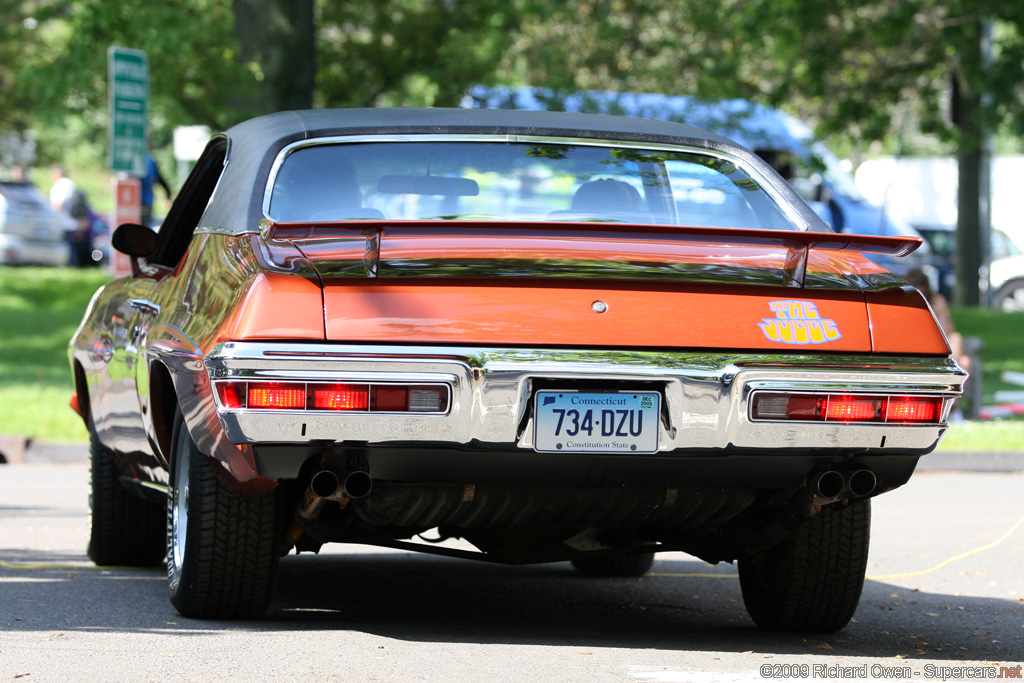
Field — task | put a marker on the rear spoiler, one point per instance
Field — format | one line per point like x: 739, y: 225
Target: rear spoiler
x: 400, y: 243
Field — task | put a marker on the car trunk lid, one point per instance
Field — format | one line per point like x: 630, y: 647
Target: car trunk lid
x: 612, y: 285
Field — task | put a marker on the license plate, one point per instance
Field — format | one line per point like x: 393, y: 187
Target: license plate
x: 620, y: 422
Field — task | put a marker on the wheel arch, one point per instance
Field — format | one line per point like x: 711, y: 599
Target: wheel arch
x: 163, y: 401
x: 82, y: 392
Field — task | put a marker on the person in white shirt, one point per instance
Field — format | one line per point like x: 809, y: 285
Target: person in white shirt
x: 75, y: 215
x: 60, y: 198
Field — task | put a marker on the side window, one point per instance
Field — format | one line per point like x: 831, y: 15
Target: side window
x: 183, y: 218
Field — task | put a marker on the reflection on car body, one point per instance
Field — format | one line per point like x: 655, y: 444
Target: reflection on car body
x: 356, y: 326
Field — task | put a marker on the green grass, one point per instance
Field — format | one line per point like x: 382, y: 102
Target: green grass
x: 1003, y: 350
x: 41, y: 307
x: 1002, y: 435
x: 1003, y: 337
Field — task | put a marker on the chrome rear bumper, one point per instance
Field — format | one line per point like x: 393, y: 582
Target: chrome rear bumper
x: 705, y: 403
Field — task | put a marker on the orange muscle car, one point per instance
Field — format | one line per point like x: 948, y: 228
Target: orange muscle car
x: 559, y: 337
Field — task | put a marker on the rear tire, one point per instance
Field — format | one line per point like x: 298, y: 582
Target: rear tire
x: 124, y: 530
x: 615, y: 565
x: 812, y: 581
x: 221, y: 549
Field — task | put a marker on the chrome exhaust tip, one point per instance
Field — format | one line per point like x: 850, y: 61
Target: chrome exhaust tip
x: 327, y: 485
x: 344, y: 486
x: 862, y: 483
x: 829, y: 484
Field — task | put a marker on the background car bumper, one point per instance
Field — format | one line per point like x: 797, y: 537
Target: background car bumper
x: 15, y: 250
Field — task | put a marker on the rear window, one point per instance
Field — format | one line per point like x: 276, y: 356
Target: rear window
x: 497, y: 181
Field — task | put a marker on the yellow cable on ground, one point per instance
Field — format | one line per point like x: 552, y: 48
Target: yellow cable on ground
x: 952, y: 559
x: 8, y: 565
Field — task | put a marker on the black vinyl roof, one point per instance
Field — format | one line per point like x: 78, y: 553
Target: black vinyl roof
x: 255, y: 144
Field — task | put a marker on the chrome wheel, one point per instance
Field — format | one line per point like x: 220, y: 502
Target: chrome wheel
x: 178, y: 521
x: 222, y: 549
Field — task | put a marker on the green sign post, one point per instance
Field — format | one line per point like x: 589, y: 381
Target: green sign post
x: 128, y: 82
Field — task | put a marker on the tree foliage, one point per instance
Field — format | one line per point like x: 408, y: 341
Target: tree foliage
x: 278, y: 45
x: 861, y: 67
x: 60, y: 77
x: 409, y: 52
x: 216, y: 62
x: 865, y: 70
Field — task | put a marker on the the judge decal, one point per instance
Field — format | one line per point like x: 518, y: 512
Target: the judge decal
x: 798, y: 322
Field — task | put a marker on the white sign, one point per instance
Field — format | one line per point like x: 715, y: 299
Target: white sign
x: 190, y: 141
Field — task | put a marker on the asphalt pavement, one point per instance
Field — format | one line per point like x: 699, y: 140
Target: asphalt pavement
x: 943, y: 602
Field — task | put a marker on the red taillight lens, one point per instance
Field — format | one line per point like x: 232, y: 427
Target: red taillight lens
x: 274, y: 395
x: 390, y: 399
x: 847, y: 408
x: 851, y: 409
x: 382, y: 398
x: 232, y: 394
x: 341, y: 397
x: 913, y: 409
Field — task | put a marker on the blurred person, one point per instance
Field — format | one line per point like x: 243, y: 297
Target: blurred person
x: 962, y: 349
x: 940, y: 307
x: 60, y: 196
x: 148, y: 194
x: 62, y: 193
x: 77, y: 218
x: 80, y: 239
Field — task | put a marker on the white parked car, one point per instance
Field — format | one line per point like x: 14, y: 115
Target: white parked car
x: 30, y: 230
x: 1006, y: 268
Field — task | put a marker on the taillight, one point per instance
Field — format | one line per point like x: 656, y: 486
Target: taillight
x: 275, y: 395
x: 232, y: 394
x: 427, y: 400
x: 322, y: 396
x: 913, y: 409
x: 847, y: 408
x: 854, y: 409
x: 341, y: 396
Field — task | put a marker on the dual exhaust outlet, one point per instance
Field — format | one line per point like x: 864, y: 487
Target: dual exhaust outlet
x: 834, y: 485
x: 328, y: 485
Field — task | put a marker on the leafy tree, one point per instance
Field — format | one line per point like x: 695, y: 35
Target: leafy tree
x: 666, y: 46
x: 409, y: 52
x: 196, y: 74
x: 870, y: 66
x: 862, y: 69
x: 216, y: 62
x: 278, y: 45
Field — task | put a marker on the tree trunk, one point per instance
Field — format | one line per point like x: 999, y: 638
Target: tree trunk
x: 278, y: 39
x: 972, y: 234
